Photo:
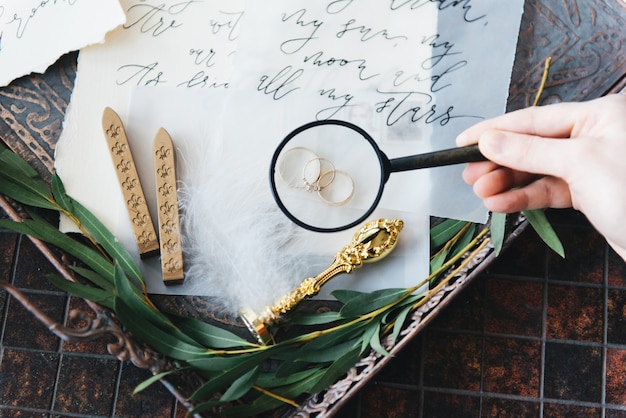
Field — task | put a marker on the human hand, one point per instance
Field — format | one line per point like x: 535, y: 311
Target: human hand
x: 556, y: 156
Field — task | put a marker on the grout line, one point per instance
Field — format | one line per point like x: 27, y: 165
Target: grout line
x: 420, y: 377
x: 544, y: 333
x: 116, y: 389
x: 55, y: 388
x: 605, y: 329
x: 12, y: 272
x: 483, y: 341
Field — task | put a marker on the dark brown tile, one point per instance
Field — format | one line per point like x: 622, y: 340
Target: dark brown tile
x: 352, y: 408
x: 452, y: 360
x: 4, y: 297
x: 617, y: 270
x: 526, y: 256
x: 567, y: 217
x: 181, y: 411
x: 154, y: 401
x: 32, y: 268
x: 551, y: 410
x: 86, y: 384
x: 512, y: 366
x: 573, y: 372
x: 8, y: 244
x: 444, y: 405
x: 27, y: 378
x: 25, y: 331
x: 584, y: 256
x: 575, y: 313
x: 386, y: 402
x: 616, y: 321
x: 514, y: 307
x: 404, y: 368
x: 505, y: 408
x: 21, y: 413
x: 616, y: 376
x: 615, y: 413
x: 465, y: 311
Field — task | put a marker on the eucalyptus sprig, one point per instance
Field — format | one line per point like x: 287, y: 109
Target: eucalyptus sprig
x: 241, y: 378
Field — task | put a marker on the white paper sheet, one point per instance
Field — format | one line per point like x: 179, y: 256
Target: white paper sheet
x: 224, y: 143
x: 430, y: 69
x: 35, y: 33
x: 396, y: 69
x: 162, y: 44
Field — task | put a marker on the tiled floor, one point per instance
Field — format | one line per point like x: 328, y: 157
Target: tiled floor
x: 534, y: 336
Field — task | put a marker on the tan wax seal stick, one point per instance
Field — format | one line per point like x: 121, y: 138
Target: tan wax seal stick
x: 145, y: 235
x: 167, y: 204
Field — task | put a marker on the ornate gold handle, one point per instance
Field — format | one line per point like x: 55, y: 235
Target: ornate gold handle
x: 371, y: 243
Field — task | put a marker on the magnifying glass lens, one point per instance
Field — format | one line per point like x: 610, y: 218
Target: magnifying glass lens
x: 327, y: 176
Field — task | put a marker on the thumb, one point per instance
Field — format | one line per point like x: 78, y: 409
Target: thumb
x: 521, y: 152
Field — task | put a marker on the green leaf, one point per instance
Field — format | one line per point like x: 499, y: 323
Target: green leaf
x: 40, y: 229
x: 153, y: 379
x: 58, y: 191
x: 337, y: 336
x: 215, y: 363
x: 345, y: 296
x: 323, y: 355
x: 399, y: 323
x: 289, y: 367
x: 315, y: 319
x: 107, y: 240
x: 338, y: 369
x: 537, y: 219
x: 375, y: 342
x: 98, y: 296
x: 22, y: 183
x: 443, y: 232
x: 273, y: 380
x: 465, y: 240
x: 438, y: 260
x: 157, y: 338
x: 367, y: 335
x: 265, y: 403
x: 207, y: 334
x: 498, y: 228
x: 17, y: 193
x: 140, y: 306
x: 369, y: 302
x: 94, y: 278
x: 241, y: 386
x: 227, y: 376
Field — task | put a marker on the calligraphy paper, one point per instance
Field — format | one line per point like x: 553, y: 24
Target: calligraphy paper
x: 224, y: 143
x: 35, y: 33
x: 427, y: 69
x: 185, y: 44
x: 397, y: 98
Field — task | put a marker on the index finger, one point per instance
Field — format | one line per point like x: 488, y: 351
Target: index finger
x: 552, y: 121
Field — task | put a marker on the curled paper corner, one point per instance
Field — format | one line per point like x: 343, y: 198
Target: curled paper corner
x: 49, y: 31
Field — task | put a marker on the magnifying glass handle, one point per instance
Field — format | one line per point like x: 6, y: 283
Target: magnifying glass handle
x: 451, y: 156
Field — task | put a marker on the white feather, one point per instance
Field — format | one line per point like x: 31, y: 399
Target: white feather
x: 235, y: 237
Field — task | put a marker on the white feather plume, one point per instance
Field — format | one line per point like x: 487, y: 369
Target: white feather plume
x: 234, y: 235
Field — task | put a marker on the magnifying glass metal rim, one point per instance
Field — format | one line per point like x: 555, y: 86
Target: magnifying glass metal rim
x: 381, y: 160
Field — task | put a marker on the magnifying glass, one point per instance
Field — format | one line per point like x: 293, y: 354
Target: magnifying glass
x: 328, y: 176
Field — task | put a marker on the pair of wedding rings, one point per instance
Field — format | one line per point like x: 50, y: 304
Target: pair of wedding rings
x: 301, y: 168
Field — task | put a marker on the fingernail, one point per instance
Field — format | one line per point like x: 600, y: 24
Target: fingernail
x: 491, y: 142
